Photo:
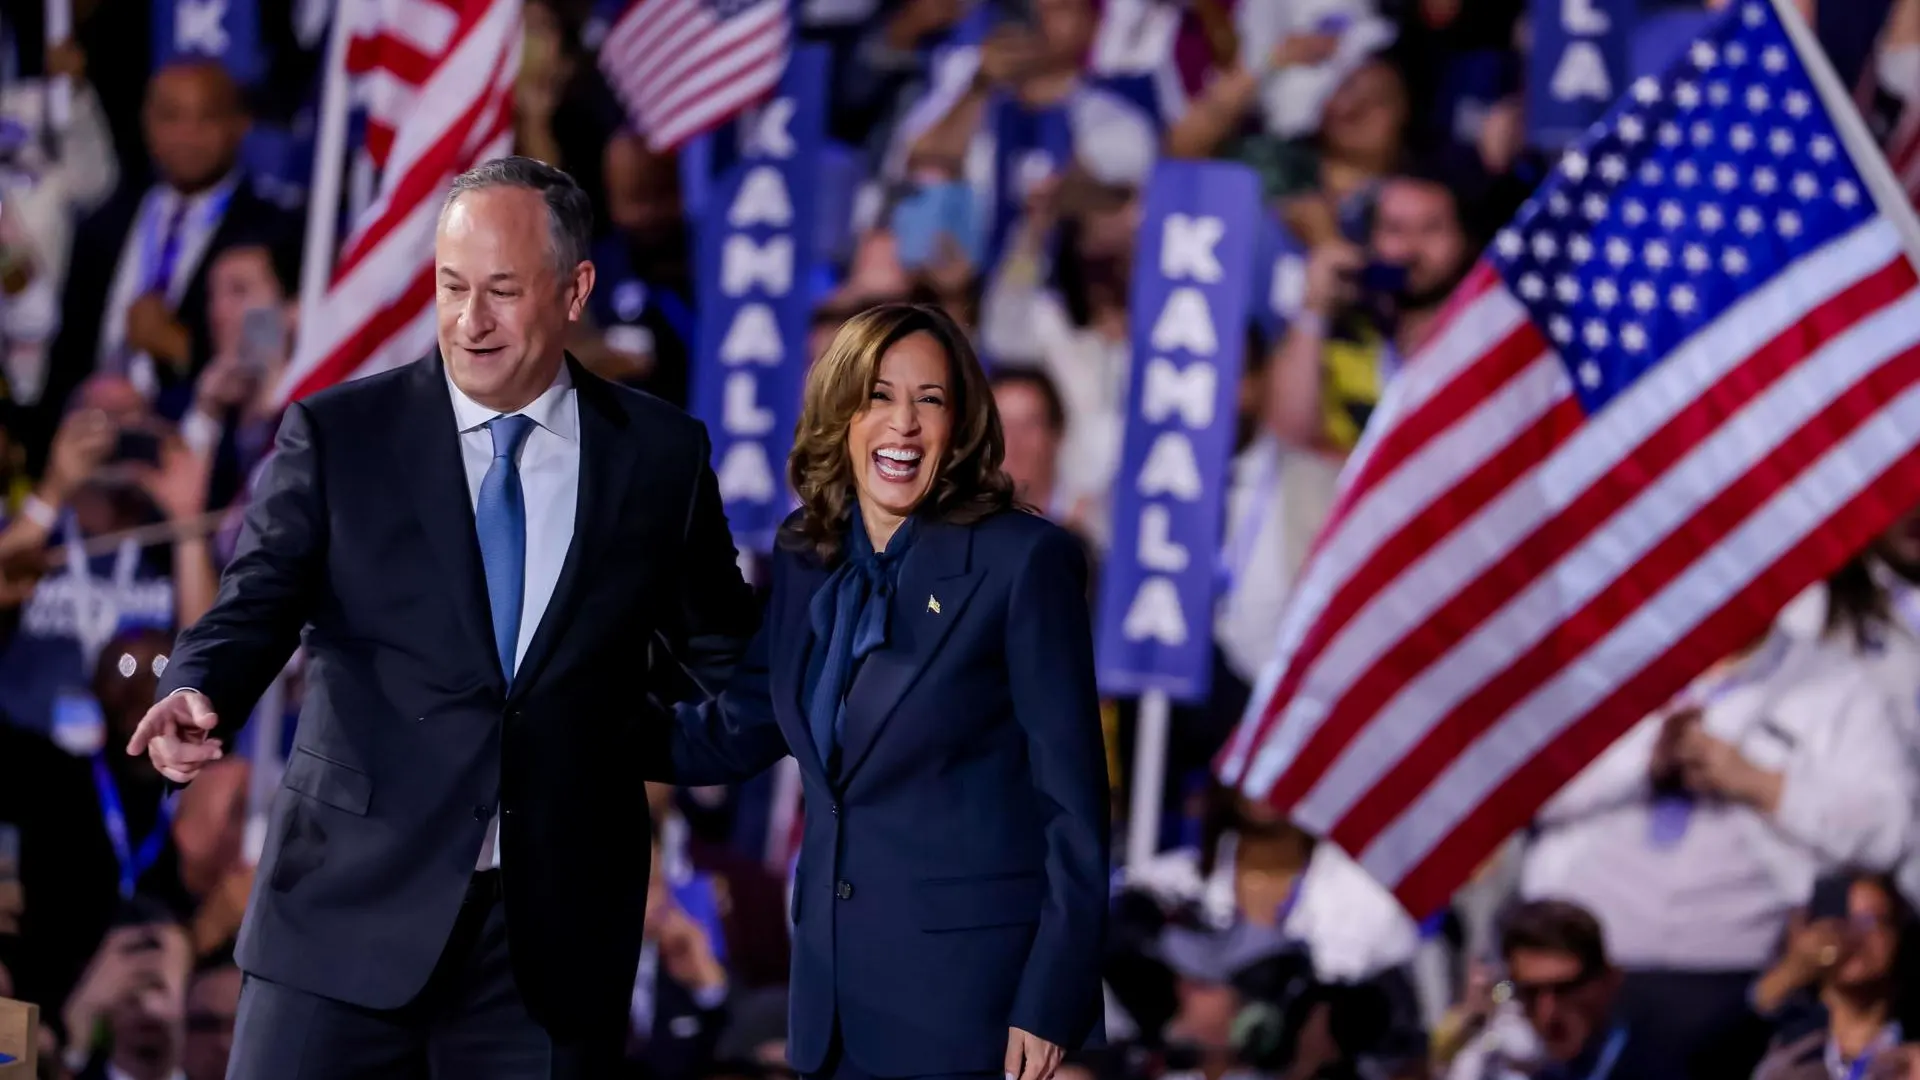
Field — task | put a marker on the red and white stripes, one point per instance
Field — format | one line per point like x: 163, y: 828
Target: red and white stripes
x: 436, y: 78
x: 1506, y: 584
x: 682, y: 67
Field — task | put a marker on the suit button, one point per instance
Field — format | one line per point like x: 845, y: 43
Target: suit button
x: 515, y: 715
x: 844, y: 890
x: 834, y: 809
x: 482, y: 813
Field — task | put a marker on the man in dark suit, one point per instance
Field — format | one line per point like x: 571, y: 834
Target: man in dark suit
x: 136, y: 291
x: 476, y: 550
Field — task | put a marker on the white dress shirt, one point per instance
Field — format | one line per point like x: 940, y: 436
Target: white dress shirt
x: 1024, y: 324
x: 1893, y: 658
x: 139, y: 258
x: 1292, y: 99
x: 1717, y: 898
x: 1292, y: 491
x: 1352, y: 926
x: 550, y: 488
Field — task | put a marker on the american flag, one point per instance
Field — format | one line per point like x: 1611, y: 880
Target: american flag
x: 435, y: 78
x: 682, y: 67
x: 1678, y: 389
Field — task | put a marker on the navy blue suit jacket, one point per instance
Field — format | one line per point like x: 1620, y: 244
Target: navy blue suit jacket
x: 953, y: 876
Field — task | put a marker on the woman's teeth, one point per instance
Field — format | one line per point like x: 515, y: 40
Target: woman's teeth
x: 897, y: 464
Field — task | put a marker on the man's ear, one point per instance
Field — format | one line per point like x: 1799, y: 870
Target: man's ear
x: 581, y: 288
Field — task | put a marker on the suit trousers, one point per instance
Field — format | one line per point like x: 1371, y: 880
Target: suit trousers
x: 469, y: 1023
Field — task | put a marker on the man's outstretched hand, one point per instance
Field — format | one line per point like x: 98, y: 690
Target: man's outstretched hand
x: 177, y: 735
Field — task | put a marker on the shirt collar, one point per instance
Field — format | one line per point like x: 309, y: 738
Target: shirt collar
x: 555, y: 410
x: 219, y: 193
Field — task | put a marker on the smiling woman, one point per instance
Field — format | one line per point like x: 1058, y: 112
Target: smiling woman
x: 926, y: 655
x: 899, y: 418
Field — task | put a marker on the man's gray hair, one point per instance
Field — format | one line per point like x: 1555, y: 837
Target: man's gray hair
x: 569, y: 212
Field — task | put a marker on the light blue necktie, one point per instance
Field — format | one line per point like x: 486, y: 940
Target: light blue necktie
x: 500, y: 518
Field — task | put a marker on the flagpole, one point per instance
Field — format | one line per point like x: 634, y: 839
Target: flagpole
x: 1149, y: 776
x: 1867, y: 154
x: 329, y: 166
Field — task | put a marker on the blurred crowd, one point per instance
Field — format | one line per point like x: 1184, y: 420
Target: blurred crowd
x: 1727, y: 892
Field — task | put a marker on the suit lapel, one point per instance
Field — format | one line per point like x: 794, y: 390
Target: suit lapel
x: 608, y: 453
x: 432, y: 443
x: 936, y: 581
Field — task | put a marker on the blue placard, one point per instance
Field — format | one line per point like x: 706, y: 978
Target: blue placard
x: 223, y: 30
x: 1280, y: 274
x: 755, y: 298
x: 1579, y: 65
x: 1029, y: 146
x: 1659, y: 37
x: 699, y: 900
x: 1193, y: 286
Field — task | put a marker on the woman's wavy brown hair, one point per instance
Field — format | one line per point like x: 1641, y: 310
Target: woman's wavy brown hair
x: 970, y: 484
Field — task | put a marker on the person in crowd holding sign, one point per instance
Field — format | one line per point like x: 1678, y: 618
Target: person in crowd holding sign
x: 928, y: 659
x: 473, y: 549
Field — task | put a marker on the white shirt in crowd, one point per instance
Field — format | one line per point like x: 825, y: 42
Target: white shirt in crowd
x: 1893, y: 661
x: 139, y: 261
x: 1023, y: 324
x: 1717, y: 897
x: 1293, y: 98
x: 1352, y: 927
x: 550, y: 488
x: 1291, y: 491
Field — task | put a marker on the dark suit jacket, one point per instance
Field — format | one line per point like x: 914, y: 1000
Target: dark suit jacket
x: 953, y: 876
x: 97, y: 245
x: 361, y: 532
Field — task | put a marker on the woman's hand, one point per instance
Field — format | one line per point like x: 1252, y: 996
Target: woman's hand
x: 1812, y: 951
x: 1030, y: 1057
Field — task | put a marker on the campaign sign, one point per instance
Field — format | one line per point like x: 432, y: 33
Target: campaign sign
x: 1280, y: 272
x: 1193, y: 288
x: 223, y: 30
x: 1580, y: 62
x: 755, y: 262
